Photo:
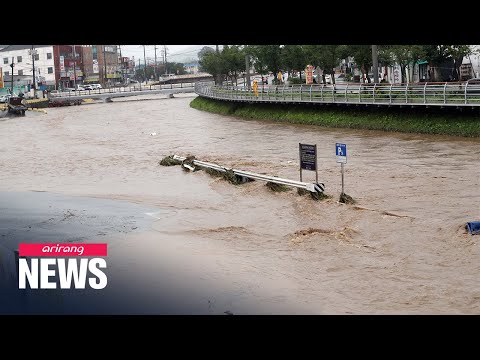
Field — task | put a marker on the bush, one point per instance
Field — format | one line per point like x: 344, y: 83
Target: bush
x: 295, y: 81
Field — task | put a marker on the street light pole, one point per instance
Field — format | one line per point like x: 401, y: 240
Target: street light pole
x: 144, y: 65
x: 12, y: 65
x: 375, y: 63
x: 219, y: 76
x: 121, y: 64
x: 155, y: 69
x: 104, y: 67
x: 33, y: 62
x: 247, y: 70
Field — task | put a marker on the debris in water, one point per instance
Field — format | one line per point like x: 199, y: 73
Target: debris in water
x: 213, y: 172
x: 169, y: 161
x: 302, y: 192
x: 473, y: 227
x: 187, y: 167
x: 319, y: 195
x: 277, y: 187
x: 314, y: 195
x: 188, y: 164
x: 230, y: 176
x: 346, y: 199
x: 396, y: 215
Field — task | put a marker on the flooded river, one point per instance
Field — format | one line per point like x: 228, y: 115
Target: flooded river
x: 402, y: 249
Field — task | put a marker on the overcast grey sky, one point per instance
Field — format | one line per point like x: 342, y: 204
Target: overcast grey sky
x: 174, y: 52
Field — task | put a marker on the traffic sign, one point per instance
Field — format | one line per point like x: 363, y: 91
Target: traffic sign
x: 308, y: 158
x: 341, y: 153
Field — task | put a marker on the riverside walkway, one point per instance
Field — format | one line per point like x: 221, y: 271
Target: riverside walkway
x: 460, y: 95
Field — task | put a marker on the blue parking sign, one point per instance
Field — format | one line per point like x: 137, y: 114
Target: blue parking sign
x: 341, y: 153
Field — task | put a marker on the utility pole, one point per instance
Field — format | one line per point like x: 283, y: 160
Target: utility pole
x: 33, y: 64
x: 144, y: 65
x: 247, y: 70
x: 104, y: 67
x: 155, y: 69
x: 219, y: 76
x: 165, y: 55
x: 121, y: 65
x: 375, y: 63
x: 12, y: 65
x: 74, y: 68
x: 138, y: 72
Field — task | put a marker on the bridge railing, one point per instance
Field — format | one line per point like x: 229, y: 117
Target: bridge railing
x: 388, y: 94
x: 124, y: 89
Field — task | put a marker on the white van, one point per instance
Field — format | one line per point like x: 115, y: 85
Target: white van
x: 96, y: 86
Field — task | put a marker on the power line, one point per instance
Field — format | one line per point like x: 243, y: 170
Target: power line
x: 172, y: 55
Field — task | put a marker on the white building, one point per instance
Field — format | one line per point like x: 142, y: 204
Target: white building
x: 191, y: 67
x: 473, y: 61
x: 23, y: 64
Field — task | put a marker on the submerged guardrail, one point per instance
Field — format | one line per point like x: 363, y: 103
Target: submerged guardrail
x: 316, y: 189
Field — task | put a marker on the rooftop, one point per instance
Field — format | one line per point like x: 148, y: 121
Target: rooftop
x: 19, y: 47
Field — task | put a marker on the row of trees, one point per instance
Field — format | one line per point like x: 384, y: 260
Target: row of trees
x: 230, y: 61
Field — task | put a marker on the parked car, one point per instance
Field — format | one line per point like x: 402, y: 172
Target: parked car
x: 88, y: 87
x: 96, y: 86
x: 4, y: 98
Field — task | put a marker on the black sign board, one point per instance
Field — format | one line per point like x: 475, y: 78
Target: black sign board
x: 308, y: 157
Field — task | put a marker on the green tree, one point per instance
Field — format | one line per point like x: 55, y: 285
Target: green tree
x: 436, y: 55
x: 362, y: 55
x: 212, y: 63
x: 267, y: 58
x: 406, y: 56
x: 439, y: 54
x: 233, y: 59
x: 327, y: 57
x: 313, y: 56
x: 458, y: 52
x: 330, y: 56
x: 293, y: 58
x: 205, y: 50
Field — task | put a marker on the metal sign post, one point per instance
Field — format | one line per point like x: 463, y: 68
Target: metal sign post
x: 341, y: 156
x: 308, y: 159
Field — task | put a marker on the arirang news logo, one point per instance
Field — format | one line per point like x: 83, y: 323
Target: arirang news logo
x: 64, y: 266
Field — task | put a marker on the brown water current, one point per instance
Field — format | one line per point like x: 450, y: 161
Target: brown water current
x: 402, y: 249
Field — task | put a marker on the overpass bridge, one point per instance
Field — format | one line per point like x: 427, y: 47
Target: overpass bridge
x: 457, y: 95
x: 107, y: 94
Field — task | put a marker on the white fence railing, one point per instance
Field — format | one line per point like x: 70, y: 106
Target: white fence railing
x: 441, y: 94
x: 117, y: 90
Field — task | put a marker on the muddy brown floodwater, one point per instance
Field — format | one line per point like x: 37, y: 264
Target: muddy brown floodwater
x: 402, y: 249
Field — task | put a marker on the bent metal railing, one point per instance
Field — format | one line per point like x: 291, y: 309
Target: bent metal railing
x: 421, y: 94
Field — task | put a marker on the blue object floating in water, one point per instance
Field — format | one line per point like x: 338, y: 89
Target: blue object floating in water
x: 473, y: 227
